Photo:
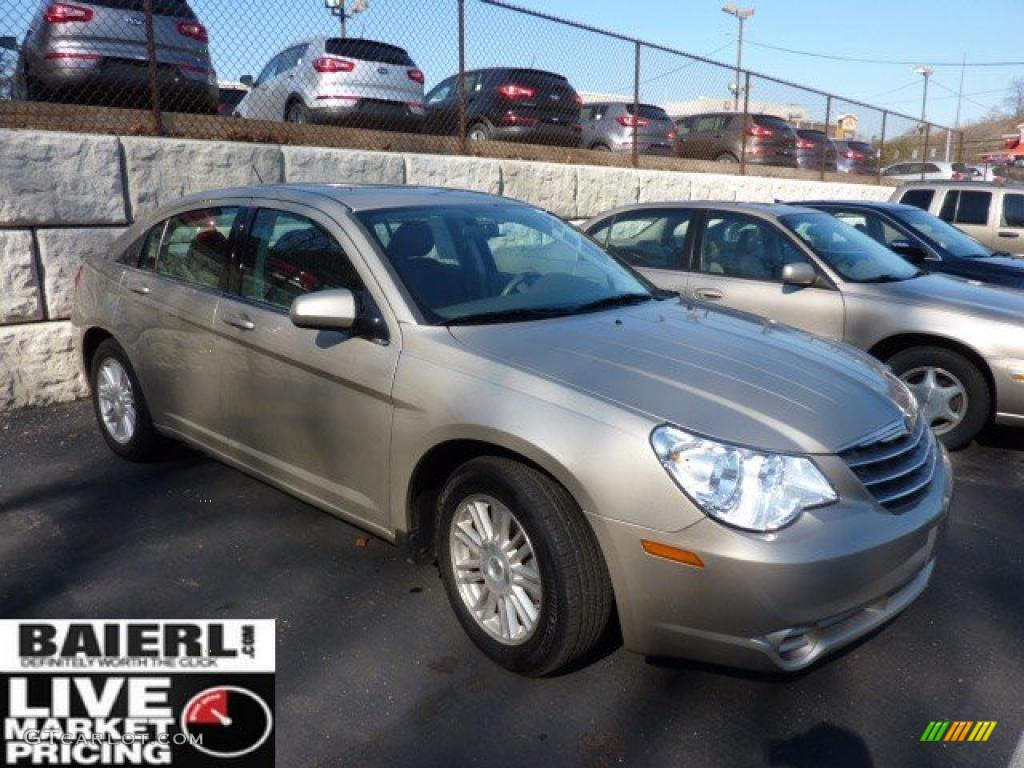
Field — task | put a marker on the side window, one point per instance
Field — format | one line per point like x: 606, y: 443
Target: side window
x: 269, y: 71
x: 195, y: 247
x: 948, y: 210
x: 735, y: 245
x: 684, y: 126
x: 653, y: 239
x: 151, y: 247
x: 919, y: 198
x: 1013, y: 211
x: 931, y: 168
x: 289, y: 255
x: 708, y: 123
x: 854, y: 219
x: 443, y: 91
x: 973, y: 208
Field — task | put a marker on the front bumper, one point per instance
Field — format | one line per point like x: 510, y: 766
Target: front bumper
x: 776, y: 601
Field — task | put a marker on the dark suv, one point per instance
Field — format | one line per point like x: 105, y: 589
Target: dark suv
x: 718, y: 136
x: 95, y: 52
x: 507, y: 104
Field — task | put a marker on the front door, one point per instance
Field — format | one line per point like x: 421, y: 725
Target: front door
x: 309, y: 409
x: 739, y: 265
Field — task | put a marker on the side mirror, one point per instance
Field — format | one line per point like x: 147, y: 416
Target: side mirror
x: 334, y: 310
x: 801, y: 273
x: 246, y: 80
x: 908, y: 250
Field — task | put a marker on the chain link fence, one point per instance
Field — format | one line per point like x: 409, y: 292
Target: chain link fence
x: 453, y: 76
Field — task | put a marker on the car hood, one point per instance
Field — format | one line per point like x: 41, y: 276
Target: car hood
x: 949, y: 293
x: 719, y: 373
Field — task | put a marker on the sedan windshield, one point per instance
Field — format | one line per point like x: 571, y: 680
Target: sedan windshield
x: 851, y: 253
x: 946, y: 235
x: 499, y: 263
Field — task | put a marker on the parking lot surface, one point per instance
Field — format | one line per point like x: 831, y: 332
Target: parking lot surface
x: 373, y: 669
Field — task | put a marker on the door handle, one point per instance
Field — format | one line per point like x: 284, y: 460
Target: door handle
x: 140, y: 288
x: 708, y: 293
x: 1009, y: 234
x: 239, y: 321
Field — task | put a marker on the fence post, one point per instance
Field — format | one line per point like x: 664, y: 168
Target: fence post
x: 636, y: 102
x: 746, y: 113
x: 960, y: 146
x: 154, y: 87
x: 462, y: 77
x: 881, y: 149
x: 828, y: 125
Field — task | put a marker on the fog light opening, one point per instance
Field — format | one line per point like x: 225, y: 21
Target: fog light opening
x: 795, y: 645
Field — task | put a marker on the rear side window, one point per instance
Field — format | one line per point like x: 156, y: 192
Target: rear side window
x: 289, y: 255
x: 368, y: 50
x: 176, y: 8
x: 919, y: 198
x: 195, y: 247
x: 966, y: 207
x: 654, y: 239
x: 1013, y: 211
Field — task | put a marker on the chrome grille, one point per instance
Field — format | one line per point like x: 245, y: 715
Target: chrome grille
x: 896, y: 470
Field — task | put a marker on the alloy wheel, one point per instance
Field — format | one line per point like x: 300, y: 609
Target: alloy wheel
x: 941, y: 395
x: 495, y: 569
x: 116, y: 400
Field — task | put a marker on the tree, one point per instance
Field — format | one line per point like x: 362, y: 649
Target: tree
x: 1014, y: 103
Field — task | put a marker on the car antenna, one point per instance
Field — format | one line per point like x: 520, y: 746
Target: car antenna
x: 257, y: 172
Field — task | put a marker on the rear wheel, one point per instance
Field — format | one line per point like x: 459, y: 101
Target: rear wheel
x: 602, y: 148
x: 296, y: 113
x: 478, y: 132
x: 521, y: 566
x: 120, y: 407
x: 952, y: 392
x: 726, y: 158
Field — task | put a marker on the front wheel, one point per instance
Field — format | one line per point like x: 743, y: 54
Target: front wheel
x: 120, y: 407
x: 952, y: 392
x: 521, y: 566
x: 478, y: 132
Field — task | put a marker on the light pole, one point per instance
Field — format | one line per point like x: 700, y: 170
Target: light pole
x: 925, y: 72
x: 344, y: 11
x: 741, y: 14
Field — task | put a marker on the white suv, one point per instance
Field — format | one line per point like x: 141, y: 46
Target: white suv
x: 363, y: 83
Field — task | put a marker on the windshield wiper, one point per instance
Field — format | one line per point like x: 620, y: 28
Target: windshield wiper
x: 510, y: 316
x: 621, y: 300
x: 890, y: 278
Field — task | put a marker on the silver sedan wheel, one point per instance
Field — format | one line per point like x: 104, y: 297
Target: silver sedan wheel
x: 941, y: 395
x: 116, y: 400
x: 495, y: 569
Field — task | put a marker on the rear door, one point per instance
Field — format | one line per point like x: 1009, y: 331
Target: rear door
x: 739, y: 261
x: 971, y: 210
x: 656, y: 242
x: 310, y: 409
x: 173, y: 293
x: 1010, y: 232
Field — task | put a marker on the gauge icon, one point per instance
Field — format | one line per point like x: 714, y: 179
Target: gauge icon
x: 227, y: 721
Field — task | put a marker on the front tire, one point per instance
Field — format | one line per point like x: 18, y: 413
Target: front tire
x: 478, y: 132
x: 521, y: 566
x: 120, y: 407
x: 952, y: 392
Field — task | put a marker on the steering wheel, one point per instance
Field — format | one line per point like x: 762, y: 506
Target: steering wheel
x: 519, y: 282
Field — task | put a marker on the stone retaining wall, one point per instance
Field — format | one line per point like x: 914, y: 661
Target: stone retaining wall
x: 66, y: 195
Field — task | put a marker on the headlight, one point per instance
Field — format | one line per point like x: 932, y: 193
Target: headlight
x: 904, y: 398
x: 748, y: 489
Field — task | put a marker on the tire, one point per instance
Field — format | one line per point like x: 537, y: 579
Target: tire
x: 572, y: 586
x: 601, y: 148
x: 141, y: 442
x: 478, y: 132
x: 296, y: 113
x: 950, y: 368
x: 726, y: 159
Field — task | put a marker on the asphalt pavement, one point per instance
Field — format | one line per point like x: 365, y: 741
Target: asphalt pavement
x: 373, y: 669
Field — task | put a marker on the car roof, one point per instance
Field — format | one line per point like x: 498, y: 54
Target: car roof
x: 878, y: 205
x: 964, y: 184
x: 771, y: 209
x: 356, y: 197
